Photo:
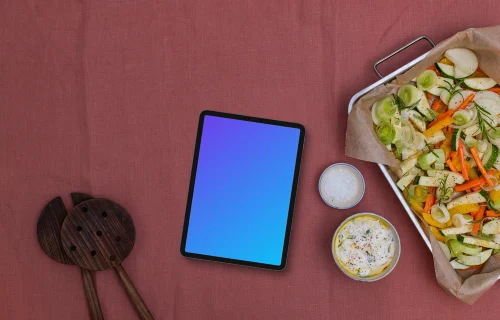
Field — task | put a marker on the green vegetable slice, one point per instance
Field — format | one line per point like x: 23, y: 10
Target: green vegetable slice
x: 427, y: 79
x: 386, y: 132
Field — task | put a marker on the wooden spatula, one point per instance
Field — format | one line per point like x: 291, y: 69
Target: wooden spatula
x: 49, y: 236
x: 99, y: 234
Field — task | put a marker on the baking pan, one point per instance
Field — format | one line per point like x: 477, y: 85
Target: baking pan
x: 383, y: 168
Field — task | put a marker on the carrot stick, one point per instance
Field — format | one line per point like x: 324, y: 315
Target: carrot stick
x: 480, y: 165
x: 436, y: 104
x: 478, y: 216
x: 429, y: 203
x: 452, y: 166
x: 432, y: 68
x: 491, y: 213
x: 496, y: 90
x: 465, y: 103
x: 454, y: 154
x: 450, y: 113
x: 476, y: 188
x: 474, y: 214
x: 465, y: 174
x: 470, y: 184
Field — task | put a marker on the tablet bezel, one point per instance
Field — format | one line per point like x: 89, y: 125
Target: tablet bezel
x: 298, y: 159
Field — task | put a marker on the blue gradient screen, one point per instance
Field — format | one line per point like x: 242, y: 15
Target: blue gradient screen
x: 242, y: 191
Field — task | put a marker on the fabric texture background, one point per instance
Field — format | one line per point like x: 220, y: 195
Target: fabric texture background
x: 103, y: 97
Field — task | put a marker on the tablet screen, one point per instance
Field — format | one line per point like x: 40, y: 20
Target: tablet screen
x: 242, y: 190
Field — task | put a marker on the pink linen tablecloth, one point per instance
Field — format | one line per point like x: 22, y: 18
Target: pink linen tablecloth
x: 104, y: 96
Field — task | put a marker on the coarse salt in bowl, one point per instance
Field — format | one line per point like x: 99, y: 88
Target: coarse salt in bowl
x: 341, y: 186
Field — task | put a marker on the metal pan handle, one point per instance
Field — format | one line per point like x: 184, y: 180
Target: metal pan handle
x: 399, y: 50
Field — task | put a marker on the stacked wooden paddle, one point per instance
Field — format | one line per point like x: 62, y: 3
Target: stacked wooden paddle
x: 98, y: 234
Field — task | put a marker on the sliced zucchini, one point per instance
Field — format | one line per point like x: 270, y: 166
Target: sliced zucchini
x: 455, y: 138
x: 476, y: 260
x: 480, y: 83
x: 491, y: 158
x: 442, y: 174
x: 491, y: 227
x: 458, y: 266
x: 465, y: 61
x: 445, y: 70
x: 475, y: 197
x: 408, y: 178
x: 478, y: 242
x: 418, y: 120
x: 492, y: 106
x: 449, y: 231
x: 487, y: 95
x: 445, y: 96
x: 425, y: 160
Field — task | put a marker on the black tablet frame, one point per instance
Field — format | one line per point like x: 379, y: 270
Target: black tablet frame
x: 292, y: 196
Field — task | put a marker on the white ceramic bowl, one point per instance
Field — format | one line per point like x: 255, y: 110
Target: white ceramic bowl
x: 357, y: 174
x: 397, y: 250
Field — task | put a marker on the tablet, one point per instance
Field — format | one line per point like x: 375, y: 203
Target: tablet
x: 242, y: 190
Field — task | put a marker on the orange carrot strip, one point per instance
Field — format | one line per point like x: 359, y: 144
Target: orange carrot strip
x: 449, y: 113
x: 465, y: 174
x: 436, y: 104
x: 480, y: 165
x: 452, y: 166
x: 432, y: 68
x: 470, y: 184
x: 429, y: 203
x: 454, y: 154
x: 465, y: 103
x: 491, y: 213
x: 478, y: 216
x: 476, y: 188
x: 496, y: 90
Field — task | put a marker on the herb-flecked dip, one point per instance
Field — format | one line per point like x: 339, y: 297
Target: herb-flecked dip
x: 364, y: 246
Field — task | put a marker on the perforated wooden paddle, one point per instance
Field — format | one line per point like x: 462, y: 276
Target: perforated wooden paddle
x: 49, y: 236
x: 99, y: 234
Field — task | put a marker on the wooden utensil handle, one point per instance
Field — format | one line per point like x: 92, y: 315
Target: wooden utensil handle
x: 133, y: 294
x: 91, y: 295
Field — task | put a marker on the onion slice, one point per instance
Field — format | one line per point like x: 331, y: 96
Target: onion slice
x: 440, y: 213
x: 487, y: 187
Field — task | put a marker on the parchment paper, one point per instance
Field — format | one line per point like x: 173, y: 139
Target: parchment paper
x: 362, y: 143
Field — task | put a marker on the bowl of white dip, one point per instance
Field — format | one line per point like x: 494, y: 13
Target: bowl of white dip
x: 366, y: 247
x: 341, y: 186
